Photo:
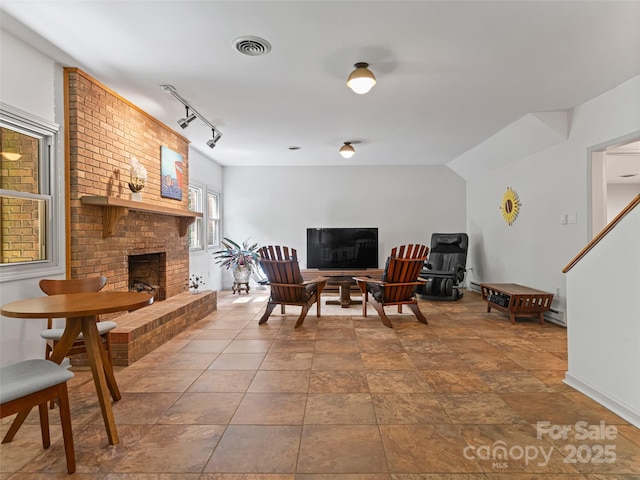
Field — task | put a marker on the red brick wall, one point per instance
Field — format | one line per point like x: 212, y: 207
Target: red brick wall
x: 103, y: 132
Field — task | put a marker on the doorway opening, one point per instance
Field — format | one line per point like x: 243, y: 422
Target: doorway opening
x: 615, y: 179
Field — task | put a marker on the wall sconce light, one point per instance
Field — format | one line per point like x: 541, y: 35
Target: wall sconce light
x: 184, y: 122
x: 346, y: 150
x: 361, y: 79
x: 216, y: 136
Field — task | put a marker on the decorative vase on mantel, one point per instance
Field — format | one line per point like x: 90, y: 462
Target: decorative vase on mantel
x: 136, y: 196
x: 136, y: 185
x: 137, y: 179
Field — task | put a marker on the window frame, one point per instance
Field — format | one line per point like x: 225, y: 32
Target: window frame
x: 215, y: 242
x: 198, y: 224
x: 51, y: 185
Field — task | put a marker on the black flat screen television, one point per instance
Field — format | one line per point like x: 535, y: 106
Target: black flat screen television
x: 342, y: 248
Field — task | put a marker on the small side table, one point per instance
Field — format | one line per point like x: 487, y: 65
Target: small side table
x: 516, y: 300
x: 240, y: 287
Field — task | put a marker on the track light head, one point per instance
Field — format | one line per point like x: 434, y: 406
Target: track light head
x: 184, y: 122
x: 211, y: 143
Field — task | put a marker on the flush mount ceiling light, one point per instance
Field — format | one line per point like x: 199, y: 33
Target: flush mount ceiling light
x: 361, y: 79
x: 184, y: 122
x: 346, y: 150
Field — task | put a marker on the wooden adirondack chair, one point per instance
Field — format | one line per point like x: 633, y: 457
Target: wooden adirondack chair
x: 400, y: 277
x: 280, y: 265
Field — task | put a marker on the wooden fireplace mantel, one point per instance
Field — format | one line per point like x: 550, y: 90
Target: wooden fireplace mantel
x: 114, y: 208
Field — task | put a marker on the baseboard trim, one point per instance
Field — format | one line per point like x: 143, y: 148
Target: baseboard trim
x: 621, y: 409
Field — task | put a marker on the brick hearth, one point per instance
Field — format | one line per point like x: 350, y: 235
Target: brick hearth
x: 142, y: 331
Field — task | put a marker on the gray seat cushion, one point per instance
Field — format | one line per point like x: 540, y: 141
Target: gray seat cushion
x: 56, y: 333
x: 29, y: 376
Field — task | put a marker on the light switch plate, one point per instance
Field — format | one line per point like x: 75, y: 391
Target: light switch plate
x: 573, y: 218
x: 563, y: 219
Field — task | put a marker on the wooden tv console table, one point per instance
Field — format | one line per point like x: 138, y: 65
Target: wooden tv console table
x: 516, y: 300
x: 343, y: 281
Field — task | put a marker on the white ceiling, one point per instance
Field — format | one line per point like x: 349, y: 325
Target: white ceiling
x: 450, y: 73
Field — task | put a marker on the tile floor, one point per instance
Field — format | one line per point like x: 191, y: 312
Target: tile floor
x: 342, y: 398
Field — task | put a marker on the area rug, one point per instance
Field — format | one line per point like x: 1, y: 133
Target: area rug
x: 354, y: 310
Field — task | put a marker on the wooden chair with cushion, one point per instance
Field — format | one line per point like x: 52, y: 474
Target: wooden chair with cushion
x: 26, y: 384
x: 52, y: 335
x: 399, y: 280
x: 280, y: 265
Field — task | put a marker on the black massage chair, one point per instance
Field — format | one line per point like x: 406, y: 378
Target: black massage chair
x: 445, y: 268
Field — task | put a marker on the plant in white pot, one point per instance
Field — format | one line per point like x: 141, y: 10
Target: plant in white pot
x: 241, y: 259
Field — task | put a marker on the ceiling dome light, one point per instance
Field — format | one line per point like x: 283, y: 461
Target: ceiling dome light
x: 347, y: 151
x: 361, y: 79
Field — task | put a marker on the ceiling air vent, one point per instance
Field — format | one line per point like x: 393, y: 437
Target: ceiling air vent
x: 252, y: 46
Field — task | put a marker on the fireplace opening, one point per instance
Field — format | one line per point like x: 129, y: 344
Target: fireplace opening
x: 148, y: 273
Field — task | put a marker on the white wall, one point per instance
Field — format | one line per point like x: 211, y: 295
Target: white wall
x: 619, y: 195
x: 29, y: 81
x: 26, y: 78
x: 275, y: 205
x: 207, y: 174
x: 536, y: 247
x: 604, y: 333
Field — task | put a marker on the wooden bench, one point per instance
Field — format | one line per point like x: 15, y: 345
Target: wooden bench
x: 516, y: 300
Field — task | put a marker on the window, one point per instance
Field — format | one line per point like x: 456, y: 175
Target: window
x: 195, y: 229
x: 28, y: 195
x: 209, y: 223
x: 213, y: 219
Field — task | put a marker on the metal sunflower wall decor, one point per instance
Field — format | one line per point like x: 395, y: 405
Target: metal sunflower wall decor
x: 510, y: 206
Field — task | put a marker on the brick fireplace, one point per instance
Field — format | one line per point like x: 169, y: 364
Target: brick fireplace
x: 106, y: 230
x: 104, y: 131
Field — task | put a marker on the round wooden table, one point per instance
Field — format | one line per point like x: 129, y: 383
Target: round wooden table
x: 81, y: 311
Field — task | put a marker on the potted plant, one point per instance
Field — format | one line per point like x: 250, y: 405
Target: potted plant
x: 241, y: 259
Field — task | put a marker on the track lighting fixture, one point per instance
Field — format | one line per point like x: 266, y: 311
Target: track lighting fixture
x: 184, y: 122
x: 361, y: 79
x: 216, y: 136
x: 346, y: 150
